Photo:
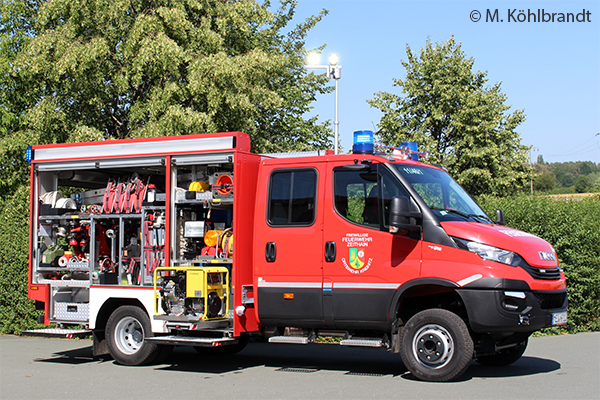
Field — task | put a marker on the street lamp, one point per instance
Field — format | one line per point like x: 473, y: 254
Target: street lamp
x: 531, y: 150
x: 333, y: 71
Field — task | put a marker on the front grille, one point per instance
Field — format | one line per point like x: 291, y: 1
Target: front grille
x: 549, y: 301
x: 548, y: 274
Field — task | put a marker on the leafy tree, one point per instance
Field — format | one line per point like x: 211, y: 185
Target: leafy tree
x: 582, y: 184
x: 585, y: 168
x: 567, y: 172
x: 447, y: 108
x: 540, y: 159
x: 118, y: 69
x: 16, y: 29
x: 544, y: 181
x: 564, y: 178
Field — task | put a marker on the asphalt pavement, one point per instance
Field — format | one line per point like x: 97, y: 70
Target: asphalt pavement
x: 553, y: 367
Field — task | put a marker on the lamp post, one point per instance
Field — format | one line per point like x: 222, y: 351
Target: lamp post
x: 333, y: 71
x: 531, y: 150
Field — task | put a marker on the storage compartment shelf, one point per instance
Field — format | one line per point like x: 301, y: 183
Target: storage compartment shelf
x: 70, y: 266
x: 205, y: 260
x: 65, y: 283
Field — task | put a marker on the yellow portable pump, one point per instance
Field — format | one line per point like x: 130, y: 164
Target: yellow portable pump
x: 197, y: 293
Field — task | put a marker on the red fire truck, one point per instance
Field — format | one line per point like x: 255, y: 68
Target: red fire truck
x: 194, y: 240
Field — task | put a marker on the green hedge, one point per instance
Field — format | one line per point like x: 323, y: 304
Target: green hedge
x: 17, y: 312
x: 573, y: 228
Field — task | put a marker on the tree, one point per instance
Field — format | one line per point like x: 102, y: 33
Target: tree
x: 582, y: 184
x: 585, y: 168
x: 447, y: 108
x: 140, y: 68
x: 540, y: 159
x: 17, y: 20
x: 544, y: 182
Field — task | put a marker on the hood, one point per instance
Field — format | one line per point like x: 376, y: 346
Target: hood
x: 536, y: 251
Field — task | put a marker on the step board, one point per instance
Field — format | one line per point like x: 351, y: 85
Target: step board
x: 193, y: 341
x: 290, y: 339
x: 363, y: 342
x: 58, y: 332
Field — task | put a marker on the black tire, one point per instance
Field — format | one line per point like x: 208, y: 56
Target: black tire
x: 503, y: 357
x: 127, y: 328
x: 436, y: 345
x: 224, y: 350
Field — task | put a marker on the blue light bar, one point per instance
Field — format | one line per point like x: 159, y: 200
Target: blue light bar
x: 29, y: 154
x: 363, y: 142
x: 413, y: 147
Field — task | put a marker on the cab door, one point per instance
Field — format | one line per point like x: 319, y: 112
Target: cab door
x: 289, y: 245
x: 370, y: 263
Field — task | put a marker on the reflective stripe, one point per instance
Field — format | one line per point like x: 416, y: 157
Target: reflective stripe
x: 366, y: 285
x: 328, y: 285
x: 302, y: 285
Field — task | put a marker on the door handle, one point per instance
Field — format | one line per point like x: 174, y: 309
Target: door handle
x: 271, y: 251
x: 330, y: 251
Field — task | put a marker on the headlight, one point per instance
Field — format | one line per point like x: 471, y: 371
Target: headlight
x: 490, y: 252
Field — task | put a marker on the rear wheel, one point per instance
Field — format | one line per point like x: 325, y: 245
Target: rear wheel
x: 127, y: 328
x: 504, y: 357
x: 436, y: 345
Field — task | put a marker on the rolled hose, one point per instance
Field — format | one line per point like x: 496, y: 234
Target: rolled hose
x: 198, y: 186
x: 226, y: 184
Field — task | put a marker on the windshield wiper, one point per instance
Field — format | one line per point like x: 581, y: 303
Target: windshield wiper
x: 462, y: 214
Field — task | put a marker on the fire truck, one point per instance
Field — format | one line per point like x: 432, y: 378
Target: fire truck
x: 196, y: 241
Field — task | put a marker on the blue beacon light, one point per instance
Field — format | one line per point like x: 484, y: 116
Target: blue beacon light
x: 363, y: 142
x: 29, y: 154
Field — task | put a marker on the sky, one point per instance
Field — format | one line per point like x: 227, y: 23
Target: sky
x: 551, y: 70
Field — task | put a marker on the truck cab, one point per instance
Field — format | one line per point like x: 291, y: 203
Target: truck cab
x: 382, y: 250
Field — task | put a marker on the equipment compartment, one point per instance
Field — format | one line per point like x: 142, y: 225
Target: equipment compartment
x: 203, y: 210
x: 99, y: 222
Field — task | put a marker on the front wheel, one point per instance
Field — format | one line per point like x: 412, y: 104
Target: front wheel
x: 127, y: 329
x: 436, y: 345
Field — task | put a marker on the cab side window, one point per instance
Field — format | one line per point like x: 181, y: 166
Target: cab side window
x: 364, y: 197
x: 357, y: 196
x: 292, y: 198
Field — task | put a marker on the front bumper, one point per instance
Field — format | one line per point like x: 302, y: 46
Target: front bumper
x: 504, y: 310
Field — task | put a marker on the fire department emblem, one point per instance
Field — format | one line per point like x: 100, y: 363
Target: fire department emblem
x: 357, y: 258
x: 358, y: 245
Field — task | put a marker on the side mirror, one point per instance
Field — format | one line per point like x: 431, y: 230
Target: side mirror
x: 499, y: 216
x: 401, y: 217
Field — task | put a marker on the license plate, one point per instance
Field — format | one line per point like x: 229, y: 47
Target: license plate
x: 559, y: 318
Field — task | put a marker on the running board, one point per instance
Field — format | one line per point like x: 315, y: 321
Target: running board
x: 58, y: 333
x: 363, y: 342
x: 290, y: 339
x: 356, y: 341
x: 193, y: 341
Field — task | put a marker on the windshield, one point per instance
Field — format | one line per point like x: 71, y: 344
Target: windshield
x: 446, y: 198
